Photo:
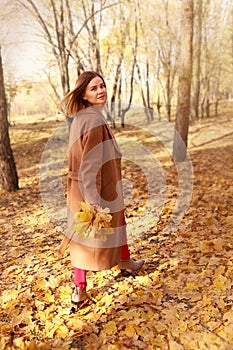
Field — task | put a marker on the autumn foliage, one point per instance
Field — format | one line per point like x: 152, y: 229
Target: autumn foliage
x: 93, y: 222
x: 181, y: 299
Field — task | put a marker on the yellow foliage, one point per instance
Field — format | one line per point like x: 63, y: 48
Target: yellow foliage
x: 181, y: 299
x: 110, y: 328
x: 129, y: 330
x: 84, y: 216
x: 8, y: 295
x: 87, y: 210
x: 62, y: 331
x: 49, y: 297
x: 192, y: 285
x: 219, y: 282
x: 94, y: 224
x: 75, y: 324
x: 228, y: 316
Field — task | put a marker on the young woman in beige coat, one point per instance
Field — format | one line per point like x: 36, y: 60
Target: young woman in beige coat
x: 94, y: 177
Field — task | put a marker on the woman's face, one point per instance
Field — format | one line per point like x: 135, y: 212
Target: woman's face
x: 96, y: 93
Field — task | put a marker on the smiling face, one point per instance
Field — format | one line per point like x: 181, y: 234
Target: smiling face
x: 96, y: 93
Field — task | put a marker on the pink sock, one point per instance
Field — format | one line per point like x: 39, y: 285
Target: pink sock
x: 80, y: 275
x: 80, y: 278
x: 125, y: 253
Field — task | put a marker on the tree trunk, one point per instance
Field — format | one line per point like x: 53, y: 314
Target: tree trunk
x: 207, y: 107
x: 216, y: 108
x: 232, y: 43
x: 198, y: 61
x: 158, y: 105
x: 184, y: 87
x: 168, y: 92
x: 150, y: 110
x: 134, y: 51
x: 8, y: 172
x: 117, y: 77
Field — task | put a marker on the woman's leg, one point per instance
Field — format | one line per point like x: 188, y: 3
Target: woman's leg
x: 125, y: 253
x: 80, y: 278
x: 79, y: 294
x: 126, y: 262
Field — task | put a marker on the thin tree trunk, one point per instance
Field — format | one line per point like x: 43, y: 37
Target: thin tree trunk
x: 8, y: 172
x: 168, y: 92
x: 134, y: 51
x: 118, y: 77
x: 198, y: 61
x: 184, y: 88
x: 232, y: 46
x: 216, y: 107
x: 150, y: 110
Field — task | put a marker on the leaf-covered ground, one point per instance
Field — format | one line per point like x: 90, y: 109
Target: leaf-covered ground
x: 181, y: 299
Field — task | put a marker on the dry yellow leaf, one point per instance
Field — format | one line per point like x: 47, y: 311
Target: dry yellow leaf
x: 190, y: 262
x: 221, y: 303
x: 219, y: 282
x: 229, y: 221
x: 45, y: 315
x: 84, y: 216
x: 228, y: 316
x: 19, y: 344
x: 157, y: 342
x: 62, y: 331
x: 182, y: 325
x: 192, y: 285
x: 50, y: 329
x: 144, y: 280
x: 218, y: 244
x: 110, y: 328
x: 52, y: 282
x: 129, y: 330
x: 49, y: 297
x: 32, y: 345
x: 205, y: 246
x: 75, y: 324
x: 25, y: 317
x: 40, y: 285
x: 11, y: 269
x: 8, y: 295
x: 173, y: 345
x: 94, y: 224
x: 102, y: 219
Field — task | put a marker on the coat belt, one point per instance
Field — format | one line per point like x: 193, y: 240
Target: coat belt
x: 73, y: 175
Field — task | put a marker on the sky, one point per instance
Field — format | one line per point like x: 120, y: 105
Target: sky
x: 21, y: 54
x: 23, y: 61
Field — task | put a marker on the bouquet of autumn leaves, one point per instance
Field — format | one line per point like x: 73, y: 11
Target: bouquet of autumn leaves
x: 93, y: 223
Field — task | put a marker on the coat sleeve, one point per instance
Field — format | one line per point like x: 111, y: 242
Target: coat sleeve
x: 91, y: 164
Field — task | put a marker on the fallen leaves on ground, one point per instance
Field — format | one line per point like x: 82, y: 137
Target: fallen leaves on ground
x: 181, y: 299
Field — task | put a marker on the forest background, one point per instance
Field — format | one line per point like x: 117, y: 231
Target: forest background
x: 182, y: 299
x: 135, y: 45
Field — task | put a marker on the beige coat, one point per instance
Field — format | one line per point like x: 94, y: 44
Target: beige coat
x: 94, y: 177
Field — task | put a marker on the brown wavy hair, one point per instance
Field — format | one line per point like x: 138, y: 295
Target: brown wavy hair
x: 73, y: 101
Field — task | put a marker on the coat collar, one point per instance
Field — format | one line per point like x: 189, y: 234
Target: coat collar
x: 97, y: 110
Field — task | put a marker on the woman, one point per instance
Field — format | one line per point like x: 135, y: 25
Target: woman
x: 94, y: 177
